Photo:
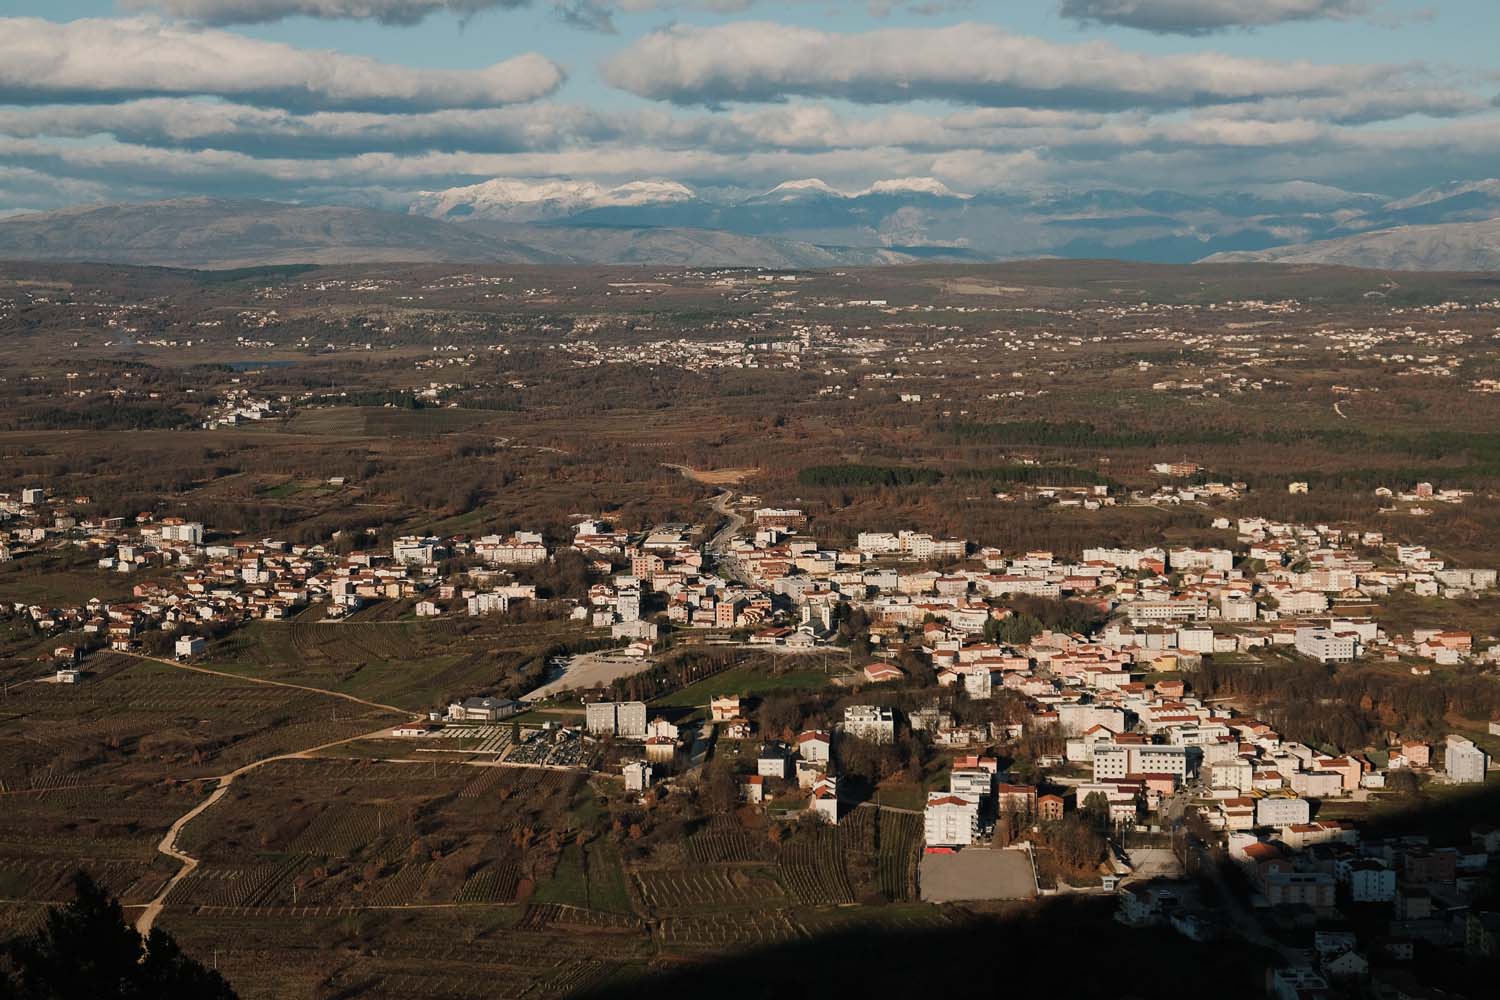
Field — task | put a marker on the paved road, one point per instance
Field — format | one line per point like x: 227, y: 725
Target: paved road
x: 718, y: 546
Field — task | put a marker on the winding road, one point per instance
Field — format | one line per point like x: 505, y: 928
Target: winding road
x: 168, y: 843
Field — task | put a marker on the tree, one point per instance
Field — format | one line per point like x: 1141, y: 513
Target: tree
x: 1095, y: 810
x: 86, y: 951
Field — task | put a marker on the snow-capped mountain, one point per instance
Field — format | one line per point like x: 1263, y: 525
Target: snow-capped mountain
x: 924, y: 213
x: 510, y: 200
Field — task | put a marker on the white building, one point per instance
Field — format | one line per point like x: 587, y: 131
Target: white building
x: 825, y: 799
x: 874, y: 723
x: 189, y: 645
x: 488, y: 603
x: 185, y: 531
x: 1124, y: 558
x: 814, y: 746
x: 950, y: 820
x: 972, y: 783
x: 1114, y: 760
x: 1370, y: 881
x: 1465, y: 763
x: 411, y: 551
x: 616, y: 718
x: 1218, y: 560
x: 1326, y: 645
x: 637, y: 776
x: 1277, y: 810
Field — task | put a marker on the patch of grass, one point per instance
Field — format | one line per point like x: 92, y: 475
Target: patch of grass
x: 743, y: 681
x: 569, y: 884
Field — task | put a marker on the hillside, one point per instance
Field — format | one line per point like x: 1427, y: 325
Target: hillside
x: 1453, y: 246
x: 215, y: 234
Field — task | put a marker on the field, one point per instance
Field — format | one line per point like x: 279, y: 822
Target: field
x: 346, y: 864
x: 414, y: 665
x: 744, y: 681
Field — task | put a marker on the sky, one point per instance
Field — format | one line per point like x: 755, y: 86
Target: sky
x: 375, y: 101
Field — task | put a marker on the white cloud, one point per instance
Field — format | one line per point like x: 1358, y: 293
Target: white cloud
x: 44, y: 61
x: 260, y: 11
x: 1198, y: 17
x: 967, y: 63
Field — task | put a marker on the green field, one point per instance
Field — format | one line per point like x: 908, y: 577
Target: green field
x: 411, y: 664
x: 743, y: 681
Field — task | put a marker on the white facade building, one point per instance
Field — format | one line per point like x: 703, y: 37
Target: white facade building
x: 950, y: 820
x: 1465, y: 763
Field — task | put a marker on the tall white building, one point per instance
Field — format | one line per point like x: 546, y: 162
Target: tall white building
x: 616, y: 718
x: 1465, y: 762
x: 950, y: 820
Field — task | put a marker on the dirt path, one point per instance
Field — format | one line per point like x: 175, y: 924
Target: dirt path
x: 280, y: 684
x: 168, y: 843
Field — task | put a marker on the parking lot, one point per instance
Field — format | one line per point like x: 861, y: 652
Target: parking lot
x: 976, y: 873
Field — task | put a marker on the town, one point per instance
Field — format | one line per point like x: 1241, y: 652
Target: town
x: 519, y: 607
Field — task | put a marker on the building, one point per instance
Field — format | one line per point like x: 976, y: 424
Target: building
x: 814, y: 746
x: 1465, y: 763
x: 874, y: 723
x: 772, y: 762
x: 189, y: 645
x: 950, y: 820
x: 1370, y: 881
x: 1299, y: 983
x: 725, y: 708
x: 1279, y: 810
x: 637, y: 776
x: 972, y: 783
x: 484, y: 709
x: 825, y: 799
x: 1116, y: 760
x: 1286, y: 888
x: 491, y: 602
x: 616, y: 718
x: 1325, y: 645
x: 408, y: 550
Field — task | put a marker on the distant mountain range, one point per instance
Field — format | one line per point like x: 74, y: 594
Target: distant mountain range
x: 798, y: 224
x: 214, y: 233
x: 1449, y: 246
x: 921, y: 212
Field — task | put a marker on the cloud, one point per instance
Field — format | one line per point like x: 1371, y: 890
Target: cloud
x: 194, y: 124
x: 110, y: 60
x: 966, y: 63
x: 1201, y: 17
x: 222, y: 12
x: 591, y: 15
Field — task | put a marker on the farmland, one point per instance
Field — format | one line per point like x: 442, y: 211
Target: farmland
x: 503, y: 858
x: 411, y: 664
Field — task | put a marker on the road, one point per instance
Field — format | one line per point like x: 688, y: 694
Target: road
x: 718, y: 546
x: 168, y: 843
